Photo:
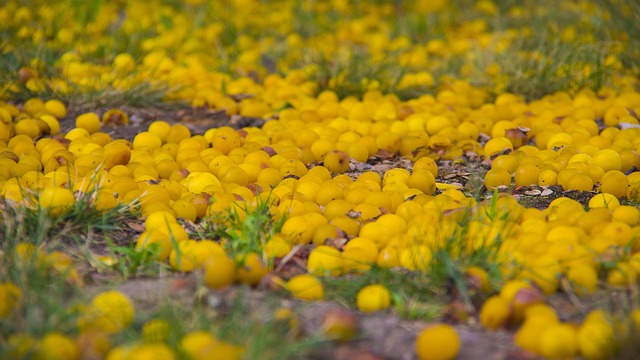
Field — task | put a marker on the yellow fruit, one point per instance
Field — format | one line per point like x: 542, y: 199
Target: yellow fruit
x: 584, y: 279
x: 190, y: 254
x: 109, y: 311
x: 115, y: 117
x: 339, y: 325
x: 158, y: 241
x: 614, y: 182
x: 608, y: 159
x: 579, y: 182
x: 547, y: 177
x: 438, y: 342
x: 56, y: 200
x: 526, y: 174
x: 423, y: 180
x: 55, y: 346
x: 219, y: 271
x: 494, y: 312
x: 200, y: 345
x: 416, y: 257
x: 596, y: 340
x: 10, y: 298
x: 627, y: 214
x: 497, y: 145
x: 306, y: 287
x: 497, y: 177
x: 373, y: 298
x: 608, y: 201
x: 88, y: 121
x: 336, y: 161
x: 156, y: 330
x: 559, y: 341
x: 325, y: 259
x: 55, y: 108
x: 426, y: 163
x: 250, y: 269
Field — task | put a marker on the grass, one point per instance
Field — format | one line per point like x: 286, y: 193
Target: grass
x: 243, y: 228
x: 414, y: 295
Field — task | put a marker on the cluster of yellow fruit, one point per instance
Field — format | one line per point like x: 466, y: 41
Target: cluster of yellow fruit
x: 301, y: 161
x: 575, y: 151
x: 173, y: 46
x: 389, y: 220
x: 108, y: 314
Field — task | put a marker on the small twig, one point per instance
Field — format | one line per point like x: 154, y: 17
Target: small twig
x: 288, y: 257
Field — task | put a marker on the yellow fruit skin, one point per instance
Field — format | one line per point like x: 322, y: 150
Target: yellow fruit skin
x: 559, y: 341
x: 438, y: 342
x: 373, y: 298
x: 219, y: 271
x: 10, y: 298
x: 596, y: 340
x: 494, y: 313
x: 305, y: 287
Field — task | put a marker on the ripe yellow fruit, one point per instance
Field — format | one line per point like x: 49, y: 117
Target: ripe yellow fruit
x: 627, y: 214
x: 115, y: 117
x: 506, y: 162
x: 56, y: 200
x: 155, y: 330
x: 596, y: 340
x: 155, y: 238
x: 54, y: 345
x: 55, y: 108
x: 438, y: 342
x: 373, y: 298
x: 608, y: 201
x: 526, y: 174
x: 497, y: 145
x: 547, y: 177
x: 201, y: 345
x: 325, y: 259
x: 336, y: 161
x: 250, y: 269
x: 306, y: 287
x: 608, y: 159
x: 614, y: 182
x: 109, y: 311
x: 497, y: 177
x: 88, y: 121
x: 190, y: 254
x: 339, y: 325
x: 416, y: 257
x: 10, y: 298
x: 423, y: 180
x: 584, y: 279
x: 580, y: 182
x: 559, y: 341
x: 494, y: 312
x: 219, y: 271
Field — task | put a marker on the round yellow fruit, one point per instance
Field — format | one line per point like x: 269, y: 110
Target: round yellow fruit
x: 373, y: 298
x: 306, y: 287
x: 56, y: 200
x: 219, y: 271
x: 438, y: 342
x: 494, y: 312
x: 559, y: 341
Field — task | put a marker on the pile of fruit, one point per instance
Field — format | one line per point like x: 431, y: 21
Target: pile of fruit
x: 413, y: 168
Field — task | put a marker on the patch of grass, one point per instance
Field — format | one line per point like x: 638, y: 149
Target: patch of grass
x: 28, y: 222
x: 244, y: 228
x: 352, y: 72
x: 414, y: 295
